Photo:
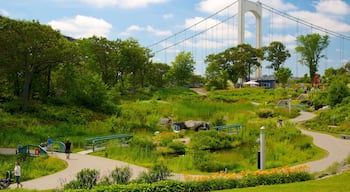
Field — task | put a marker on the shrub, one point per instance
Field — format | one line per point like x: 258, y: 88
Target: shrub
x: 265, y: 113
x: 121, y: 175
x: 178, y: 147
x: 156, y: 173
x: 86, y: 179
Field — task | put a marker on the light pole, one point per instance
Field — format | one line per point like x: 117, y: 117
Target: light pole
x: 262, y: 148
x: 290, y: 104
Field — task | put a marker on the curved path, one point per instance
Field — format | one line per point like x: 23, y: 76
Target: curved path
x: 338, y: 150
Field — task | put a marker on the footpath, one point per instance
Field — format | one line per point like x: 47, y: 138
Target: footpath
x: 338, y: 149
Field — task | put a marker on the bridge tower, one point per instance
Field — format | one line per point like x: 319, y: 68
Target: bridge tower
x: 256, y: 8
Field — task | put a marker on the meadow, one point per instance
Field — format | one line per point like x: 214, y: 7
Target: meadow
x: 207, y: 152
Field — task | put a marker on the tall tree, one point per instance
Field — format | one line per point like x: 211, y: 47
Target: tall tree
x: 277, y: 54
x: 182, y: 68
x: 101, y: 55
x: 310, y: 48
x: 244, y: 59
x: 31, y: 48
x: 156, y: 73
x: 216, y: 75
x: 134, y: 59
x: 282, y: 75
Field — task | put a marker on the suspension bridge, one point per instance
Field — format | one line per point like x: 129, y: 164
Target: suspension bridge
x: 237, y: 23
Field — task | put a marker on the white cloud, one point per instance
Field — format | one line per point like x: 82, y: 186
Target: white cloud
x: 168, y: 16
x: 82, y: 26
x: 4, y: 13
x: 212, y: 6
x: 149, y: 29
x: 322, y: 20
x: 127, y: 4
x: 334, y: 7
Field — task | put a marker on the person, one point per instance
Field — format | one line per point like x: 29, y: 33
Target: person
x: 67, y: 148
x: 17, y: 171
x: 49, y: 144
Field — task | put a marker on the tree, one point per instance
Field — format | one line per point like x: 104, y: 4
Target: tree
x: 282, y: 75
x: 310, y: 48
x: 337, y: 92
x: 182, y: 68
x: 244, y: 59
x: 156, y: 73
x: 276, y: 54
x: 134, y: 61
x: 101, y: 56
x: 216, y: 78
x: 30, y: 50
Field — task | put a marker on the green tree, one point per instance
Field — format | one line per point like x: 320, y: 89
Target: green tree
x: 337, y: 92
x: 32, y: 49
x: 282, y: 75
x: 101, y: 56
x: 216, y: 78
x: 310, y: 48
x: 244, y: 59
x: 182, y: 68
x: 276, y: 54
x: 156, y: 73
x: 134, y: 61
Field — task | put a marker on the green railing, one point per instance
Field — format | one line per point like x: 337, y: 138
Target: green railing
x: 232, y: 129
x: 31, y: 149
x: 100, y: 143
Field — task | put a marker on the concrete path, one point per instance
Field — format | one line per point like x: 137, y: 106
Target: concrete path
x: 338, y: 150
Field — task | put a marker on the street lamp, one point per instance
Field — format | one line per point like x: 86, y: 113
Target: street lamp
x: 262, y: 148
x: 290, y: 104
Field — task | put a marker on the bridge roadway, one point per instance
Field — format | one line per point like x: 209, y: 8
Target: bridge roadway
x: 337, y: 148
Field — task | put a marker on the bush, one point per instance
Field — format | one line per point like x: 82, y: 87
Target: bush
x: 178, y: 147
x: 86, y: 179
x: 265, y: 113
x: 157, y: 173
x: 121, y: 175
x: 212, y: 184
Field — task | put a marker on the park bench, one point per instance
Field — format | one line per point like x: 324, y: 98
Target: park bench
x: 343, y: 136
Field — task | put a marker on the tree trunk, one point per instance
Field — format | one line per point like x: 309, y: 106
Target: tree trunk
x: 48, y: 85
x: 26, y: 89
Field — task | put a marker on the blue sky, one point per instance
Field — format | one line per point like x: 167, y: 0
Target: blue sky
x: 150, y: 21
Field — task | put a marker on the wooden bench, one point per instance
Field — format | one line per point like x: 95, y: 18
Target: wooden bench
x: 343, y: 136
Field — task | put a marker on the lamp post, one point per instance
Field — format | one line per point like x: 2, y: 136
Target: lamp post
x: 290, y: 104
x: 262, y: 148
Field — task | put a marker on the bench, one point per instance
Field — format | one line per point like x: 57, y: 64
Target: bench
x: 343, y: 136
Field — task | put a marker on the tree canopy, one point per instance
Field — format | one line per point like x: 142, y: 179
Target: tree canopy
x: 310, y: 48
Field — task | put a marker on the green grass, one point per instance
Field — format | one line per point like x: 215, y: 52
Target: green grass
x: 32, y: 167
x: 338, y: 183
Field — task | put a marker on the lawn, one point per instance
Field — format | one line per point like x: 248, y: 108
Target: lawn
x: 338, y: 183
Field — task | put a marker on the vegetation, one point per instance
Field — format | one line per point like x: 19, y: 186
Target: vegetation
x: 277, y: 54
x: 336, y: 183
x: 31, y: 167
x: 75, y: 89
x: 310, y: 49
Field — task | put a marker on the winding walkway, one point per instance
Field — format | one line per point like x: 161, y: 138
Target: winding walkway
x: 338, y: 150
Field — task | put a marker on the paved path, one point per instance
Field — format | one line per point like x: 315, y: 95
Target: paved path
x: 77, y: 162
x: 338, y: 150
